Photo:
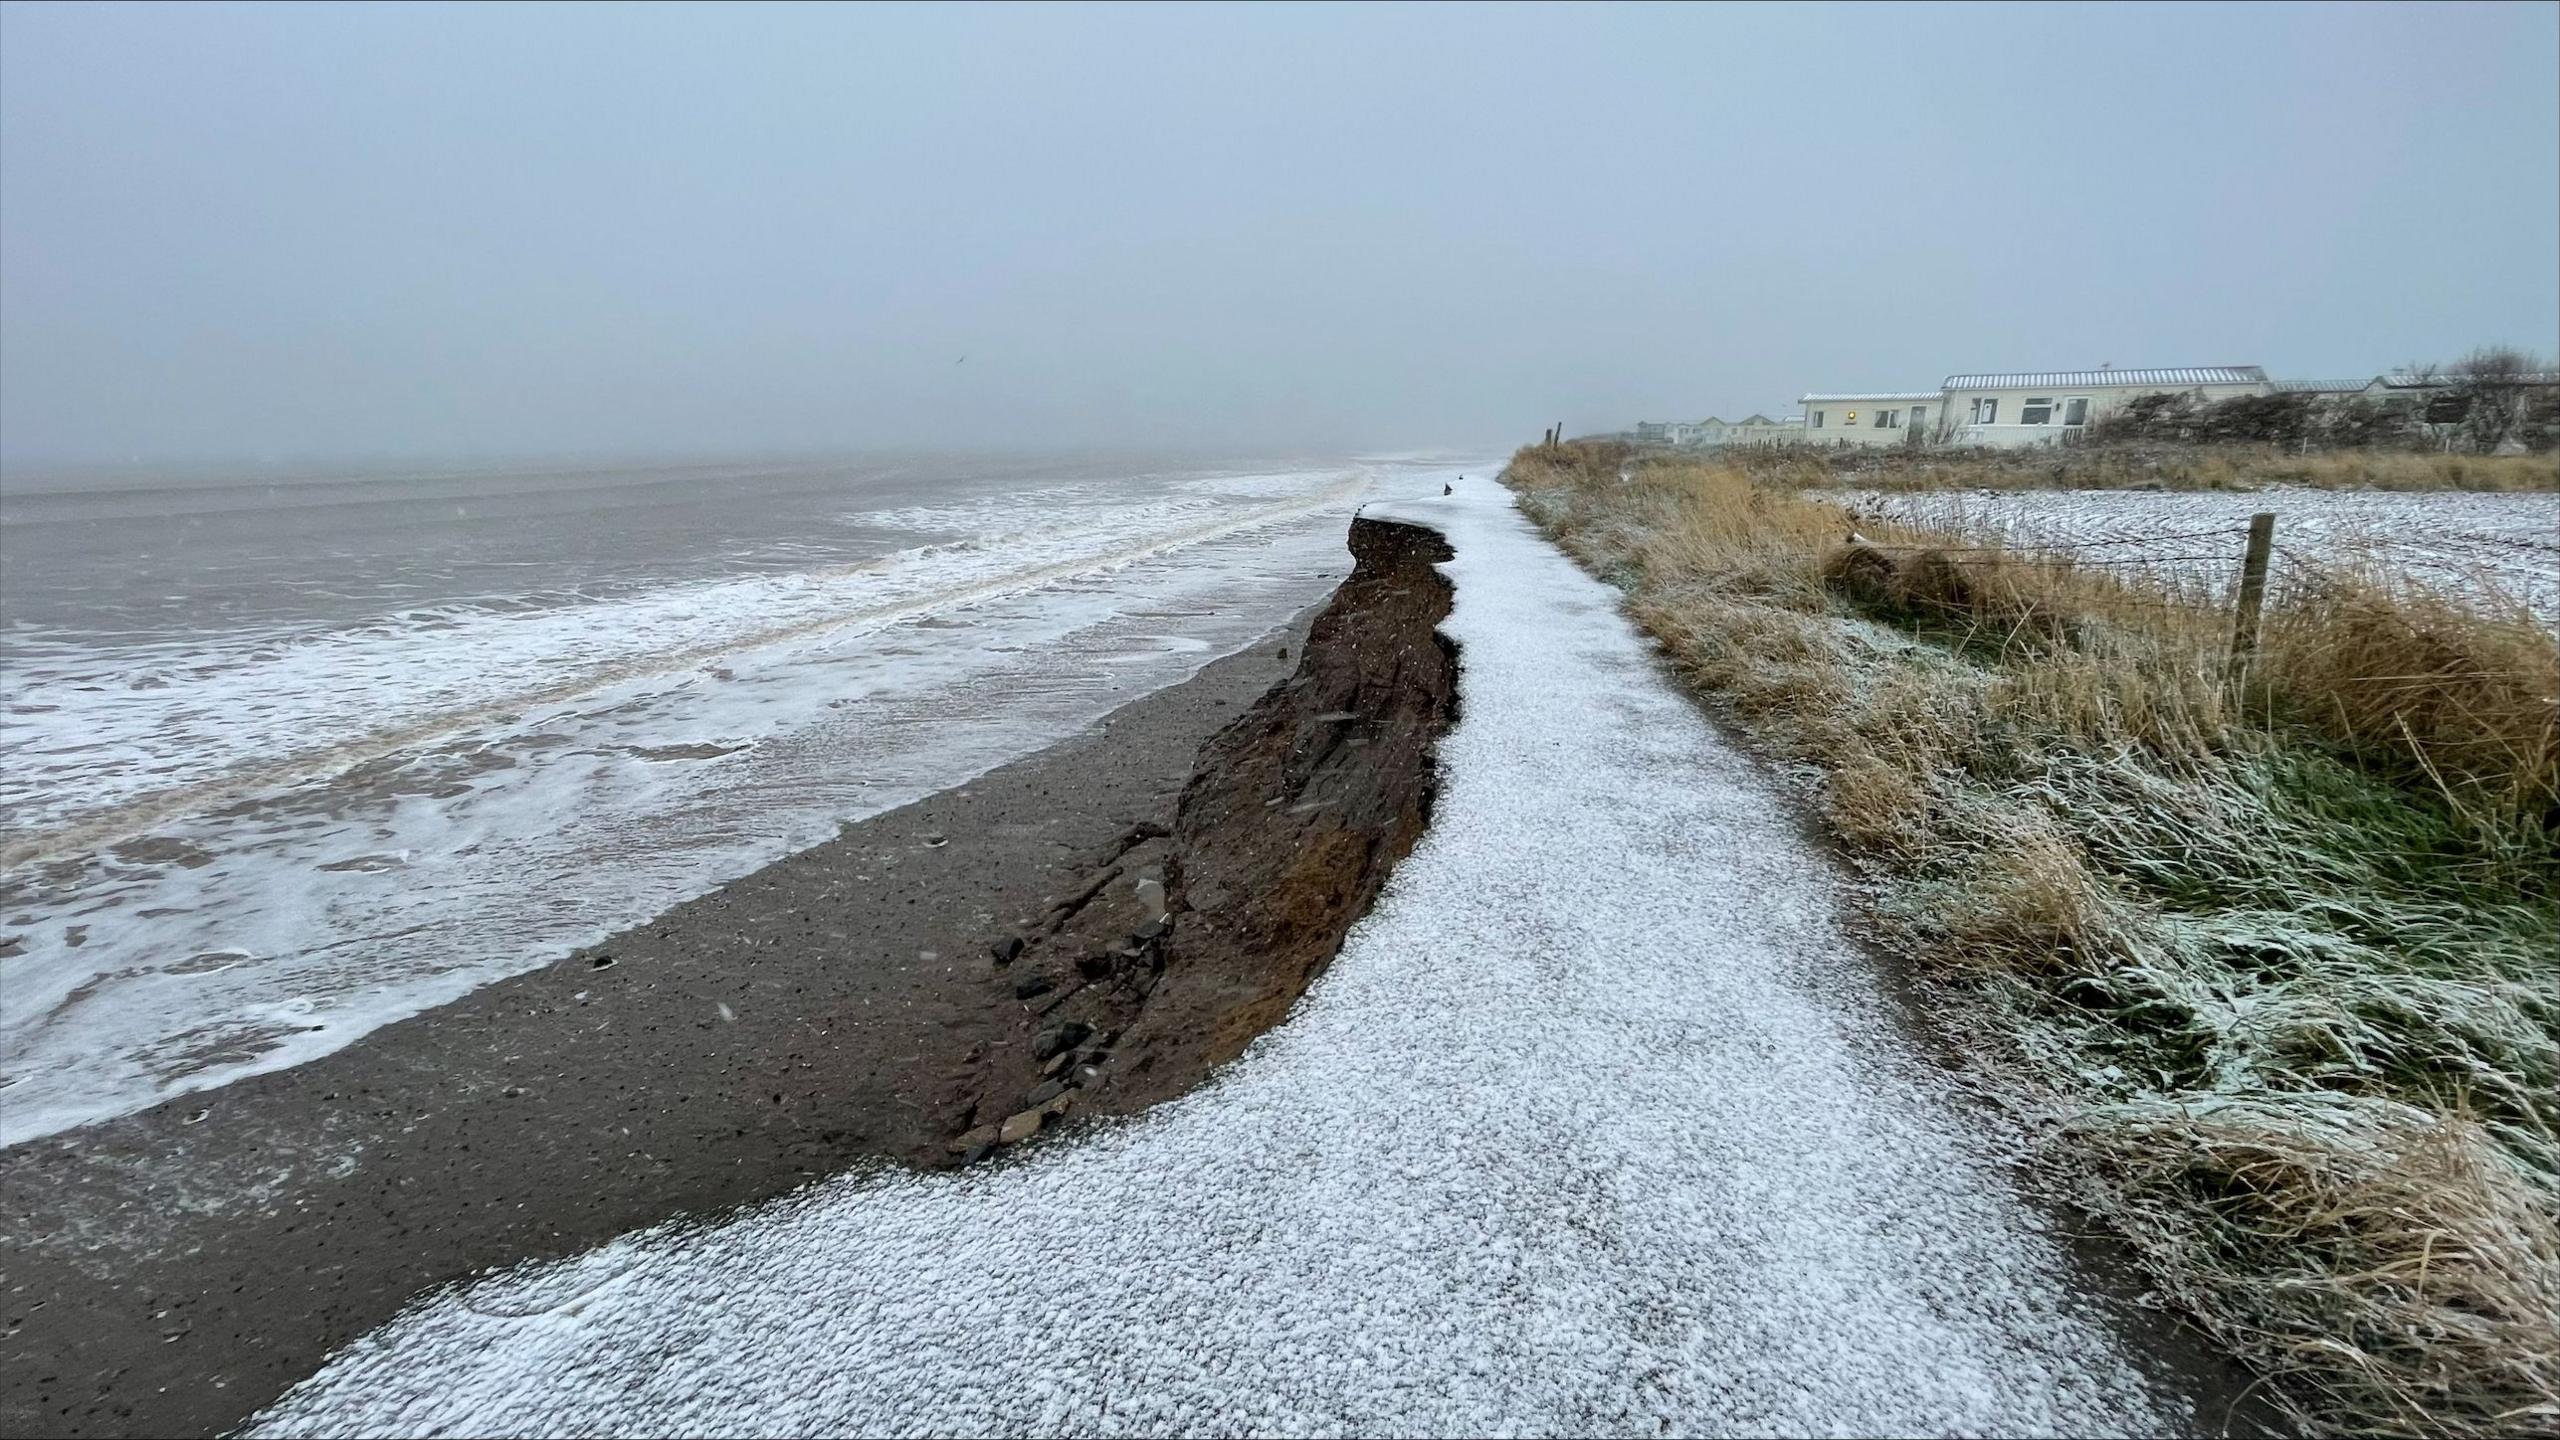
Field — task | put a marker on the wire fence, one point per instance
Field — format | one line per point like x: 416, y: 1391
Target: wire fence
x: 2454, y: 555
x: 2418, y: 653
x: 2182, y: 563
x: 2029, y: 544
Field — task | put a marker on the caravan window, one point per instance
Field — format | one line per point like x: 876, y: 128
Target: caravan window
x: 1986, y: 412
x: 1817, y: 419
x: 2036, y: 412
x: 2075, y: 411
x: 1919, y: 416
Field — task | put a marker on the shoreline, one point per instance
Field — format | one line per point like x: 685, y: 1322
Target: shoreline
x: 857, y: 1003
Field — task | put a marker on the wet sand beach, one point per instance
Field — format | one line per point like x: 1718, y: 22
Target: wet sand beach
x: 171, y: 1271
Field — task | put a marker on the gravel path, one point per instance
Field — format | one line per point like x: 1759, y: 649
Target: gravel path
x: 1598, y: 1124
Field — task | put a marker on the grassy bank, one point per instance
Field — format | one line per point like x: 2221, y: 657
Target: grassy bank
x: 2275, y: 968
x: 2144, y: 467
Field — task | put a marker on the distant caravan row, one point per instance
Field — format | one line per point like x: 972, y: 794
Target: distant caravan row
x: 2060, y: 407
x: 1754, y: 429
x: 2031, y: 408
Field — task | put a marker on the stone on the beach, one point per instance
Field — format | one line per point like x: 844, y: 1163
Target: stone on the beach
x: 1005, y: 949
x: 973, y: 1139
x: 1058, y: 1062
x: 1021, y: 1126
x: 1049, y: 1090
x: 1030, y: 985
x: 1065, y: 1035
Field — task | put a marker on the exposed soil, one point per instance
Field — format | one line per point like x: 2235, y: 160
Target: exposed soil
x: 1189, y: 943
x: 1097, y: 926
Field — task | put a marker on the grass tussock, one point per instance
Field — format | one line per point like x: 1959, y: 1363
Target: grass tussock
x: 2463, y: 696
x: 2143, y: 466
x: 2281, y: 959
x: 2404, y: 1273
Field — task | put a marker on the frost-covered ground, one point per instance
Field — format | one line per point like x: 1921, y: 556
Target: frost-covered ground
x: 1598, y: 1124
x: 2462, y: 540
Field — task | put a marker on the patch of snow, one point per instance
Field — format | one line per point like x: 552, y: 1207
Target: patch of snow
x: 1598, y: 1124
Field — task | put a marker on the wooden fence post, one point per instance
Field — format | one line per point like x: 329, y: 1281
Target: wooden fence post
x: 2253, y: 595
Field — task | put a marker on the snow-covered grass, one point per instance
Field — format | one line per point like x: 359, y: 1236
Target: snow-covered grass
x: 1599, y: 1124
x: 2281, y: 965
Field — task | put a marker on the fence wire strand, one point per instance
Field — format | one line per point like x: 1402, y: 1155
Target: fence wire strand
x: 2321, y: 551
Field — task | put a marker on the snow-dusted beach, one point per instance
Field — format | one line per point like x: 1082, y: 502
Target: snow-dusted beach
x: 1598, y: 1124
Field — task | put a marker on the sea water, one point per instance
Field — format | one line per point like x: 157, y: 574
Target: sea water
x: 286, y: 758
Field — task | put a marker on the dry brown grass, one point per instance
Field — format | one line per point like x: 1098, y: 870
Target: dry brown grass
x: 2142, y: 466
x: 2435, y: 1307
x: 2461, y: 692
x: 2032, y: 906
x: 2267, y: 991
x: 2463, y: 696
x: 2386, y: 470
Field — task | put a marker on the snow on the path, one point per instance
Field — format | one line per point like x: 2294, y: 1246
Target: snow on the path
x: 1597, y: 1125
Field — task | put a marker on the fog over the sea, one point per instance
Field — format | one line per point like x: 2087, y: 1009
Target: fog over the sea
x: 308, y: 233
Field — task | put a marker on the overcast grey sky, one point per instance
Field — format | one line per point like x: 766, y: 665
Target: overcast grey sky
x: 307, y: 232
